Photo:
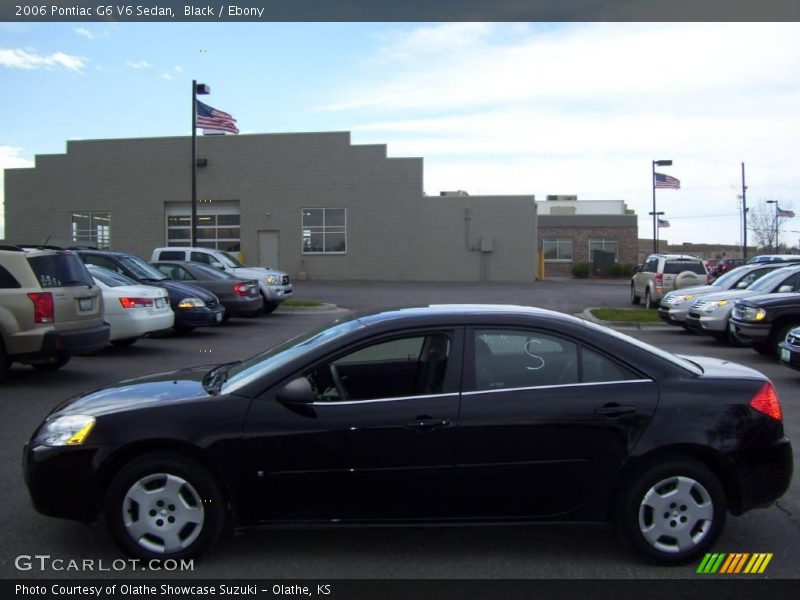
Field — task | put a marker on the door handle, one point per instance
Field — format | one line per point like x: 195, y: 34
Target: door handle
x: 426, y: 423
x: 615, y: 410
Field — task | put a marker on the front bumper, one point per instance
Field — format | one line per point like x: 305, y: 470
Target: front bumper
x: 277, y: 293
x: 753, y: 333
x: 199, y: 317
x: 673, y: 315
x: 789, y: 355
x: 712, y: 324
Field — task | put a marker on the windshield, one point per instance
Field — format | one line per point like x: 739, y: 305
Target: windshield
x: 63, y: 269
x: 140, y: 269
x: 731, y: 278
x: 259, y: 365
x: 110, y: 278
x: 229, y: 260
x: 766, y: 283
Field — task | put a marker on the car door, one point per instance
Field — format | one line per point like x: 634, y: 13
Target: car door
x: 377, y: 444
x: 545, y: 421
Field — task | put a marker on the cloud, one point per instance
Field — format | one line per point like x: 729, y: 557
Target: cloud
x: 82, y: 31
x: 139, y: 64
x: 16, y: 58
x: 167, y: 76
x: 10, y: 158
x: 178, y: 69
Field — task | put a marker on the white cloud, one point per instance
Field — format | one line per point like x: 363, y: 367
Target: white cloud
x: 10, y: 158
x: 139, y: 64
x: 82, y: 31
x: 178, y: 69
x: 167, y: 76
x: 498, y: 108
x: 15, y: 58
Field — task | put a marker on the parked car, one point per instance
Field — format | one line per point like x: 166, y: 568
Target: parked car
x: 49, y: 308
x: 711, y: 313
x: 789, y: 349
x: 193, y: 306
x: 711, y: 264
x: 240, y: 297
x: 275, y: 286
x: 764, y: 321
x: 762, y: 258
x: 725, y: 265
x: 545, y: 417
x: 131, y: 309
x: 662, y: 273
x: 675, y: 305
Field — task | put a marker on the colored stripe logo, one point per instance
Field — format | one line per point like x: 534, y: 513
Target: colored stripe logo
x: 734, y: 563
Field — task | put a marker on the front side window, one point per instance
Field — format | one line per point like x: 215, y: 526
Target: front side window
x: 92, y: 228
x: 557, y: 249
x: 403, y: 367
x: 324, y: 231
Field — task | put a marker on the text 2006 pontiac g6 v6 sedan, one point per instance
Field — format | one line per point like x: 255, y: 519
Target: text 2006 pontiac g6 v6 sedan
x: 432, y: 415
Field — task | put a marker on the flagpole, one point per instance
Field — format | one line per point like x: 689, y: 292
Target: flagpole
x: 655, y: 218
x: 194, y: 165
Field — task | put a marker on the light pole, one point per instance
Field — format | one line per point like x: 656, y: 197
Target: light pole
x: 197, y: 88
x: 775, y: 202
x: 656, y: 163
x: 656, y: 216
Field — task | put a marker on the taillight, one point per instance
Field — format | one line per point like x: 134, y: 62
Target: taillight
x: 136, y: 302
x: 240, y: 289
x: 42, y: 307
x: 766, y: 401
x: 659, y: 280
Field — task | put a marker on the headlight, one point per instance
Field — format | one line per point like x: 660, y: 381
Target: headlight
x: 712, y: 306
x: 273, y: 280
x: 680, y: 299
x: 191, y: 303
x: 751, y: 314
x: 65, y: 431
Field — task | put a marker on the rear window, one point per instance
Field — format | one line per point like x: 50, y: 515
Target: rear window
x: 171, y: 255
x: 60, y: 270
x: 673, y: 267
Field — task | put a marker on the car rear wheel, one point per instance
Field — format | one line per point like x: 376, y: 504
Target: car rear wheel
x: 634, y: 298
x: 4, y: 362
x: 673, y: 511
x: 165, y: 506
x: 52, y: 364
x: 270, y: 307
x: 648, y: 300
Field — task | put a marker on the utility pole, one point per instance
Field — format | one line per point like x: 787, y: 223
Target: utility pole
x: 744, y: 217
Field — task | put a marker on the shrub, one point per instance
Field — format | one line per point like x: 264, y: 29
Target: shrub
x: 580, y: 270
x: 615, y: 270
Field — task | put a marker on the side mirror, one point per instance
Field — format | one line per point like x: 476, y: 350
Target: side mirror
x: 785, y: 288
x: 217, y: 265
x: 297, y: 391
x: 742, y: 284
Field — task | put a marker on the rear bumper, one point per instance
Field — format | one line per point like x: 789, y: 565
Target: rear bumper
x: 763, y: 476
x: 55, y: 343
x: 243, y: 306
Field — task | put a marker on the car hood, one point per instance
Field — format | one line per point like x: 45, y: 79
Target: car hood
x: 256, y: 272
x: 695, y: 289
x: 767, y: 300
x: 729, y: 295
x: 719, y: 368
x: 161, y: 388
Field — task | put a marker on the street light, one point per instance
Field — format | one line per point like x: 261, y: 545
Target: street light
x: 656, y: 163
x: 656, y: 216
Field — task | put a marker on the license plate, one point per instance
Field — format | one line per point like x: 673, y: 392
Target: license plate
x: 159, y: 303
x: 85, y: 304
x: 219, y: 317
x: 786, y: 356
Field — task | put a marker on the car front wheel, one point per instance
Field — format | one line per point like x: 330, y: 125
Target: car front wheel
x: 634, y: 298
x: 165, y: 506
x: 673, y: 511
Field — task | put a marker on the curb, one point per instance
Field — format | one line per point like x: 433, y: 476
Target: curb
x: 588, y: 316
x: 324, y: 309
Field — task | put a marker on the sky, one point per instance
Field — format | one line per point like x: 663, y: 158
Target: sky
x: 496, y: 108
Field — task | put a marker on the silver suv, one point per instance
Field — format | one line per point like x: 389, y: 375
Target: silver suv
x: 662, y: 273
x: 49, y: 308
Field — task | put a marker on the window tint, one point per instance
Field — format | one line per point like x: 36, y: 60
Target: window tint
x: 171, y: 255
x: 410, y: 366
x: 60, y: 270
x: 517, y: 359
x: 597, y: 368
x: 110, y: 278
x: 673, y: 267
x: 201, y: 257
x: 7, y: 280
x: 101, y: 261
x: 650, y: 266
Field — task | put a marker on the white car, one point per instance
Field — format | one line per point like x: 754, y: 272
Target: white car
x: 132, y: 309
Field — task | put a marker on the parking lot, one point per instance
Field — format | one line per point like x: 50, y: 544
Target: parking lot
x: 481, y: 552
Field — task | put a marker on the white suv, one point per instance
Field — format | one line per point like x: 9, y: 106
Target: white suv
x: 275, y: 286
x: 662, y: 273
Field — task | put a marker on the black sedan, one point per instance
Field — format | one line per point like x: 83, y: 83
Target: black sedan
x: 240, y: 297
x: 435, y: 415
x: 193, y: 306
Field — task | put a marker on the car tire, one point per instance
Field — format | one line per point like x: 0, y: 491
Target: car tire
x: 673, y: 511
x: 648, y: 300
x: 183, y: 329
x: 270, y: 307
x: 165, y: 506
x: 766, y: 349
x: 124, y: 343
x: 53, y: 364
x: 634, y: 298
x: 4, y: 362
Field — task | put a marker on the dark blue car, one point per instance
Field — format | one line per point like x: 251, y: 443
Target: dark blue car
x: 193, y: 306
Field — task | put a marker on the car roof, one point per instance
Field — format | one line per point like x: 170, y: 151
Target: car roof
x: 460, y: 311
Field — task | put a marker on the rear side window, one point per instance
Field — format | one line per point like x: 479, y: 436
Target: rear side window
x: 7, y: 280
x: 201, y: 257
x: 673, y: 267
x: 60, y: 270
x: 171, y: 255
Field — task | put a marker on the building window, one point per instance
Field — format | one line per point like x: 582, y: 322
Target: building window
x: 324, y: 231
x: 557, y: 249
x: 604, y: 245
x: 220, y: 231
x: 92, y: 228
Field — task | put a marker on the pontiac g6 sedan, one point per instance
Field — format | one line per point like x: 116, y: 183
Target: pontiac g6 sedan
x: 433, y: 415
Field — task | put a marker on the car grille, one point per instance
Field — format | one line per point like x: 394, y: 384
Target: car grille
x: 793, y: 339
x: 285, y: 280
x: 698, y: 304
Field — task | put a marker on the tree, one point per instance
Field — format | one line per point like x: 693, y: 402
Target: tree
x: 765, y: 226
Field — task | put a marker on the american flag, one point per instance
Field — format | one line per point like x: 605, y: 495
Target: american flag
x: 667, y: 181
x: 784, y: 213
x: 209, y: 117
x: 663, y: 223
